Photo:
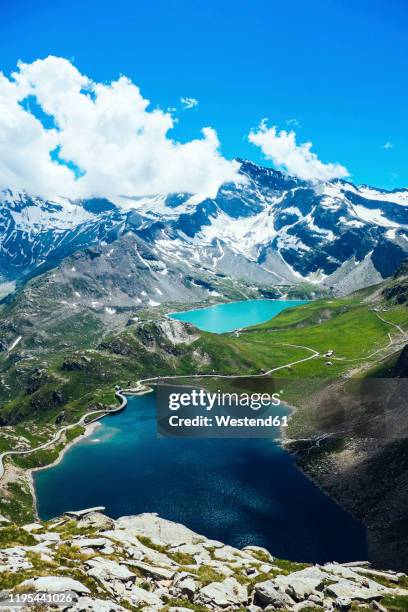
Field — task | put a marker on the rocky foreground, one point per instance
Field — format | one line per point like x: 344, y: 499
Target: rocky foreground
x: 147, y: 563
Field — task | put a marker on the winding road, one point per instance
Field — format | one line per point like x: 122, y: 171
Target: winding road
x: 141, y: 388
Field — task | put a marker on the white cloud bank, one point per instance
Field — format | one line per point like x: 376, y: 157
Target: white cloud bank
x: 296, y: 159
x: 109, y: 140
x: 189, y: 103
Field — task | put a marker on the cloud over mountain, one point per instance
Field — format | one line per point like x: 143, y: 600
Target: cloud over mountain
x: 296, y: 159
x: 63, y: 134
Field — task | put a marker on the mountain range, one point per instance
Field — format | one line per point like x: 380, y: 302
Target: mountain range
x: 86, y: 285
x: 270, y: 229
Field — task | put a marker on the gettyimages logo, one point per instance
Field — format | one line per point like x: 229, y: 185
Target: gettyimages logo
x: 185, y: 412
x: 353, y: 408
x: 207, y: 401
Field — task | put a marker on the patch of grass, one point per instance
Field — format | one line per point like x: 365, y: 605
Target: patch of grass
x: 9, y: 580
x: 181, y: 603
x: 17, y: 504
x: 11, y: 535
x: 287, y: 567
x: 39, y: 458
x: 146, y: 541
x: 395, y: 603
x: 261, y: 556
x: 207, y: 574
x: 182, y: 558
x: 74, y: 432
x: 70, y: 529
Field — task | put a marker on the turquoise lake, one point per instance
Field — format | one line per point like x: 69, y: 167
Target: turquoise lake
x: 240, y: 491
x: 226, y: 317
x: 234, y: 490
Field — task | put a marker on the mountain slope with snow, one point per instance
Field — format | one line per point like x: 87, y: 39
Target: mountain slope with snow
x: 271, y: 228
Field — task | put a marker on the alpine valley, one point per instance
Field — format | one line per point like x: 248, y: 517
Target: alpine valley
x: 86, y: 285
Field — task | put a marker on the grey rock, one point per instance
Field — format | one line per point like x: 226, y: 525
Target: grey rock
x: 306, y: 605
x: 47, y: 537
x: 152, y: 526
x: 106, y: 569
x: 55, y: 584
x: 90, y: 542
x: 86, y: 604
x: 266, y: 593
x: 185, y: 584
x: 31, y: 527
x: 96, y: 520
x: 223, y: 594
x: 343, y: 604
x: 299, y: 585
x: 157, y: 573
x: 140, y: 597
x: 349, y: 589
x: 316, y: 597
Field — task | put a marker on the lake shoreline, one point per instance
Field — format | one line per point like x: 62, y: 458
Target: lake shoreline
x: 89, y: 429
x: 279, y: 488
x: 229, y: 317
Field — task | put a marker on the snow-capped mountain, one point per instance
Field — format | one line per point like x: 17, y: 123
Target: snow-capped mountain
x: 272, y: 228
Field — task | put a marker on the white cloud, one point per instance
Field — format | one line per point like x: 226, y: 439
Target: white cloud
x: 188, y: 103
x: 110, y: 140
x: 388, y: 145
x: 298, y: 160
x: 293, y: 122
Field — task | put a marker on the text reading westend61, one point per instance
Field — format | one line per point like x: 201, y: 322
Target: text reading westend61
x: 184, y: 412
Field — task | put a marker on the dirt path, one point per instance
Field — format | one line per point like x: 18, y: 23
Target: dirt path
x: 142, y: 388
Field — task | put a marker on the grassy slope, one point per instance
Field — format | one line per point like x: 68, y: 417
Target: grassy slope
x: 75, y: 381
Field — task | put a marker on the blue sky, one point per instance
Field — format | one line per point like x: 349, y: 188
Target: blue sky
x: 338, y: 67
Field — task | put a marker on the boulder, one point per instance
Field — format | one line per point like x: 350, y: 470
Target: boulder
x: 90, y: 542
x: 55, y: 584
x: 137, y: 550
x: 266, y: 593
x: 157, y: 573
x: 352, y: 590
x: 97, y: 521
x: 32, y: 527
x: 231, y: 554
x: 47, y: 537
x: 86, y: 604
x: 223, y: 594
x: 141, y: 597
x: 185, y: 584
x: 152, y: 526
x: 299, y: 585
x: 106, y: 569
x: 343, y: 604
x: 306, y: 605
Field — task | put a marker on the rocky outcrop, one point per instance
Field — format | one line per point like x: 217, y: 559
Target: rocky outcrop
x: 149, y: 564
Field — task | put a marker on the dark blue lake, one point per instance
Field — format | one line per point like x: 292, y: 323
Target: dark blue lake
x: 232, y: 315
x: 235, y: 490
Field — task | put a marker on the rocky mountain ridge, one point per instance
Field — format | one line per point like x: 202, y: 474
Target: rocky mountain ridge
x: 271, y: 228
x: 146, y: 563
